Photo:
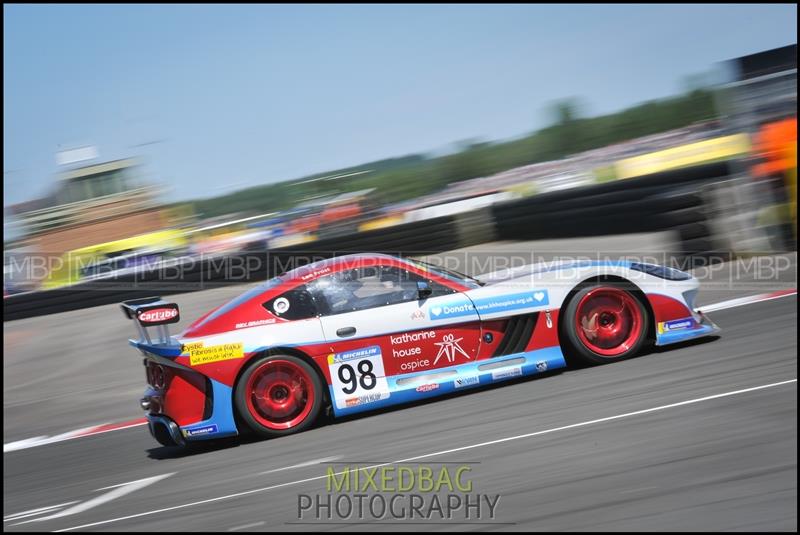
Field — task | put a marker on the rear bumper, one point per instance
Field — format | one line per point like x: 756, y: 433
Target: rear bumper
x: 164, y: 430
x: 213, y: 416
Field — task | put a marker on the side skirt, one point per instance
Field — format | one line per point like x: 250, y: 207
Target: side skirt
x: 421, y: 385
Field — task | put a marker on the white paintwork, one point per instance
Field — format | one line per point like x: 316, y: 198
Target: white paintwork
x: 557, y: 279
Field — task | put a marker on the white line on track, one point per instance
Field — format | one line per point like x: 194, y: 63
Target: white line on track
x: 247, y: 526
x: 303, y: 465
x: 24, y: 443
x: 117, y: 491
x: 70, y: 435
x: 442, y: 452
x: 749, y: 300
x: 96, y: 430
x: 640, y: 489
x: 33, y: 512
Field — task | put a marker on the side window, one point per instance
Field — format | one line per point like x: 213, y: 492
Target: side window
x: 296, y: 304
x: 368, y: 287
x: 439, y: 289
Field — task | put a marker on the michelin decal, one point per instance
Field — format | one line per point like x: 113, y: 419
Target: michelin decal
x: 676, y: 325
x: 199, y: 431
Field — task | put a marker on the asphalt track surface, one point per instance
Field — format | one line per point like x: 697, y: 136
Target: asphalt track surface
x: 702, y: 436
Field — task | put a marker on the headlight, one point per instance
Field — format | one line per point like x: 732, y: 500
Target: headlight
x: 662, y: 272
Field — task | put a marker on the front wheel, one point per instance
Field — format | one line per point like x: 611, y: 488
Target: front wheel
x: 278, y: 395
x: 604, y: 322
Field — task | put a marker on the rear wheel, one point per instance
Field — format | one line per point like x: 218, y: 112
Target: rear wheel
x: 605, y: 322
x: 279, y: 395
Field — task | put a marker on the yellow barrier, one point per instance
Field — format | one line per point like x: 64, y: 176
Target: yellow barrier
x: 684, y: 156
x: 68, y: 270
x: 380, y: 223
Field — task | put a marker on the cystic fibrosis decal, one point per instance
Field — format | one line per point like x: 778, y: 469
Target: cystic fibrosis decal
x: 491, y: 305
x: 188, y: 348
x: 199, y: 354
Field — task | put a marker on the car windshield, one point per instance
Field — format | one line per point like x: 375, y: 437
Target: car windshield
x: 453, y: 275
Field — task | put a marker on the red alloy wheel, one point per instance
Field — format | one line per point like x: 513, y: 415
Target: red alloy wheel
x: 609, y: 321
x: 279, y: 394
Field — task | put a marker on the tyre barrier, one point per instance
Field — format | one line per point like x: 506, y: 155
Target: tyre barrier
x: 662, y: 201
x: 670, y: 200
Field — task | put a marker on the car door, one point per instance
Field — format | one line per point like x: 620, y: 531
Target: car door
x: 378, y: 327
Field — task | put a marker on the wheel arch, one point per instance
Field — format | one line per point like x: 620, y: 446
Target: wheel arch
x: 281, y: 350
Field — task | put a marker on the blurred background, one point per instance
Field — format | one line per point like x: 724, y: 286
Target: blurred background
x: 143, y: 138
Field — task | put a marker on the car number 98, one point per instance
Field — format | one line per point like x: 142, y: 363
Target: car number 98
x: 358, y: 377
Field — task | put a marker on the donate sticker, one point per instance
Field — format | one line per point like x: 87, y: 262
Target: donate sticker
x: 491, y: 304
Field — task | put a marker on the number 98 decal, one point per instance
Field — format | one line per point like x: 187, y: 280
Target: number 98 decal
x: 366, y: 378
x: 357, y: 377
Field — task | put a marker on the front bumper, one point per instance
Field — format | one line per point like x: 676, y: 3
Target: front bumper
x: 697, y: 326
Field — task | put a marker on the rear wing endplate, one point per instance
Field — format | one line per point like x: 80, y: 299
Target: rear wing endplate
x: 152, y: 312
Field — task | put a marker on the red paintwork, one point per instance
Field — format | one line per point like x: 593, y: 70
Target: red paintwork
x: 544, y: 336
x: 471, y: 335
x: 496, y: 328
x: 403, y: 354
x: 184, y: 396
x: 226, y: 371
x: 667, y: 308
x: 185, y: 392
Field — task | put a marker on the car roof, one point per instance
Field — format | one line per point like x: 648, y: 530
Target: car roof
x: 334, y: 264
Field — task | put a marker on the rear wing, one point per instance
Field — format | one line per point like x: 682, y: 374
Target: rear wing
x: 152, y: 312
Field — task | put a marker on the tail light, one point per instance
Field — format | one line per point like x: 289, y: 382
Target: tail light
x: 156, y: 375
x: 148, y: 372
x: 159, y: 380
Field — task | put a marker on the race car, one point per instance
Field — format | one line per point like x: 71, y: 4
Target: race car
x: 361, y: 332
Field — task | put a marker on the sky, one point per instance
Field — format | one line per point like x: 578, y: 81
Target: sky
x: 215, y: 98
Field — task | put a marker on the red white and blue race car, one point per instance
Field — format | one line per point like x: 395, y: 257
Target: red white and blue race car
x: 360, y: 332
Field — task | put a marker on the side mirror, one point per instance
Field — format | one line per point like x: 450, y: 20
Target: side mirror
x: 424, y: 290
